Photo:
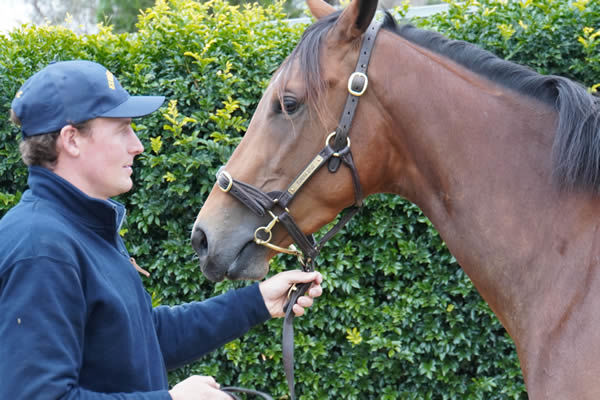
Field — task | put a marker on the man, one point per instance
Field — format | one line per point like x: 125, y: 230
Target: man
x: 75, y: 320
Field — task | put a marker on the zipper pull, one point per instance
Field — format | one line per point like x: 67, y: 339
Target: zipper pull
x: 138, y: 268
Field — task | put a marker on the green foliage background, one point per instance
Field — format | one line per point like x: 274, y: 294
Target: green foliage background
x: 398, y: 319
x: 121, y: 15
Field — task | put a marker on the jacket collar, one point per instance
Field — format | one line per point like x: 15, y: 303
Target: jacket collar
x: 98, y: 214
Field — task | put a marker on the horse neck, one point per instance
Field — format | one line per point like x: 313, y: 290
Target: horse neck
x: 477, y: 161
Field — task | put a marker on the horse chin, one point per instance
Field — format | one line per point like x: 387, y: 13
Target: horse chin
x: 242, y: 271
x: 212, y: 273
x: 250, y: 263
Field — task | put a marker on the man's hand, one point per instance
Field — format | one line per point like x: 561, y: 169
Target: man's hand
x: 198, y: 387
x: 275, y: 291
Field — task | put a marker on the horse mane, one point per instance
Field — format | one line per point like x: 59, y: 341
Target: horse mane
x: 576, y: 148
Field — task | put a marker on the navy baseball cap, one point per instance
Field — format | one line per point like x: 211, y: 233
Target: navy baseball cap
x: 71, y: 92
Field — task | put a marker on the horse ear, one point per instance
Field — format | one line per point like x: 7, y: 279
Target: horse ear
x: 319, y: 8
x: 355, y: 19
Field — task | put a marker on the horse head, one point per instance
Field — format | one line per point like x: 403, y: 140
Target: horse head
x: 294, y: 120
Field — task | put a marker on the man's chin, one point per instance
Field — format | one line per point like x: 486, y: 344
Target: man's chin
x: 124, y: 188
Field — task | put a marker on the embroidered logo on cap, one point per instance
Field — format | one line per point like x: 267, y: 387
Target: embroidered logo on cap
x: 111, y: 79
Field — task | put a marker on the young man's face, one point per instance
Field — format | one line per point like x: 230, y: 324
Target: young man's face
x: 107, y: 157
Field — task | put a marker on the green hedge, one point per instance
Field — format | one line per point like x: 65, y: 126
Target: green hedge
x: 551, y: 36
x: 399, y: 318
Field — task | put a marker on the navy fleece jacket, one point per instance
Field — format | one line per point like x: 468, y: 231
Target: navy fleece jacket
x: 75, y: 320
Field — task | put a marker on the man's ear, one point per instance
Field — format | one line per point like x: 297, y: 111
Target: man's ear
x: 68, y: 141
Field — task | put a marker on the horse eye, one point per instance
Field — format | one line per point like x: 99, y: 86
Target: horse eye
x: 288, y: 104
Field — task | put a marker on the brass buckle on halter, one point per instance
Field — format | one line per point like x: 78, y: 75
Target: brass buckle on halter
x: 266, y: 229
x: 332, y: 134
x: 267, y: 242
x: 229, y: 178
x: 365, y: 83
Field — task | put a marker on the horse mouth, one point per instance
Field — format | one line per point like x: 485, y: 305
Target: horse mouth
x: 250, y: 263
x: 240, y: 264
x: 212, y: 273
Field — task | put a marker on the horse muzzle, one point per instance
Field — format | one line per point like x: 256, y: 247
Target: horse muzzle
x: 228, y: 254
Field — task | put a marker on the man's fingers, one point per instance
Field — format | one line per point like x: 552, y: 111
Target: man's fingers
x: 315, y: 291
x: 305, y: 301
x: 302, y: 303
x: 301, y: 276
x: 298, y: 310
x: 209, y: 380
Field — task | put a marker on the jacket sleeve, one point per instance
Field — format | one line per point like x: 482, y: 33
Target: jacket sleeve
x: 187, y: 332
x: 42, y: 322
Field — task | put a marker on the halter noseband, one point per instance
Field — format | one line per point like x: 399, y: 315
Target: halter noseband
x: 262, y: 203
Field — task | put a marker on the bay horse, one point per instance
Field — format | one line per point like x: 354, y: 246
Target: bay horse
x: 504, y: 162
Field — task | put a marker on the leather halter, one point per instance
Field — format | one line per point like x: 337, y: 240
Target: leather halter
x: 262, y: 203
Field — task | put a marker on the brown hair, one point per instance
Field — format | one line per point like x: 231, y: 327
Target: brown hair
x: 41, y: 149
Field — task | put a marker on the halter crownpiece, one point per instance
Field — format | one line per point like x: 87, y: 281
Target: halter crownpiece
x: 357, y: 85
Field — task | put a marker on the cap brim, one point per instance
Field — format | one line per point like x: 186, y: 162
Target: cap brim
x: 135, y: 106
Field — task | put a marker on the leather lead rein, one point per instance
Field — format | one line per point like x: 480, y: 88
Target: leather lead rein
x: 263, y: 204
x: 231, y: 390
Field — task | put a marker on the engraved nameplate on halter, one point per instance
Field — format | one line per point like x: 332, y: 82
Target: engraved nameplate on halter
x: 308, y: 171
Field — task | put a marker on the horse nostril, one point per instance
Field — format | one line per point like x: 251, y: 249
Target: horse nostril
x: 199, y: 242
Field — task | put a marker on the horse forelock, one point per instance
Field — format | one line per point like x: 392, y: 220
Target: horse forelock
x: 306, y: 57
